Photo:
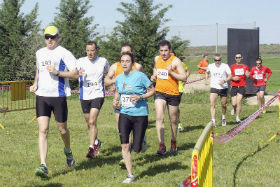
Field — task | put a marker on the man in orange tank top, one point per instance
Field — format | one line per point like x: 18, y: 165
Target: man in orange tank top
x: 168, y: 70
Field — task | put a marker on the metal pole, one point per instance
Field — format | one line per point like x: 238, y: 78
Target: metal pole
x: 217, y: 35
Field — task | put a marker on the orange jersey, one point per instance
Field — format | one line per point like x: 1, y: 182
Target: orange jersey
x: 166, y: 83
x: 119, y: 70
x: 202, y: 63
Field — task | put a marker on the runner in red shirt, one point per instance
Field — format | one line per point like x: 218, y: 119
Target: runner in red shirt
x: 260, y: 74
x: 239, y: 73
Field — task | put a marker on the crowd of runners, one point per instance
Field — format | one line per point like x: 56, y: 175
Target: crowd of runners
x: 55, y: 65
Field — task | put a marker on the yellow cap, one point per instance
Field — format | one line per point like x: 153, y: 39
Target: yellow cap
x: 51, y: 30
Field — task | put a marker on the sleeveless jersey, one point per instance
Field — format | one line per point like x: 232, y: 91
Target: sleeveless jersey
x: 166, y: 83
x: 92, y: 81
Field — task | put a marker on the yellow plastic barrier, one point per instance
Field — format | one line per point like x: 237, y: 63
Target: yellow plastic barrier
x: 202, y: 159
x: 15, y: 96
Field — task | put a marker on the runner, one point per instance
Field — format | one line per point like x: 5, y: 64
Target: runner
x: 113, y: 72
x: 202, y: 66
x: 260, y: 74
x: 239, y: 73
x: 220, y: 75
x: 168, y: 71
x: 51, y: 86
x: 92, y: 92
x: 132, y: 89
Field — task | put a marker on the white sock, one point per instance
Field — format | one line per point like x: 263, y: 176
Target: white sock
x: 96, y: 141
x: 223, y: 117
x: 44, y: 164
x: 214, y: 121
x: 91, y: 146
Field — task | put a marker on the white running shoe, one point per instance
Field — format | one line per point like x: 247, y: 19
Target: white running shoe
x: 129, y: 179
x: 232, y: 112
x: 224, y: 122
x: 238, y: 119
x: 213, y: 123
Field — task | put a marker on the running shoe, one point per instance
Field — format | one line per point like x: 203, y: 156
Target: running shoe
x: 180, y: 127
x: 122, y: 163
x: 96, y: 150
x: 224, y: 122
x: 173, y: 148
x: 69, y: 158
x: 98, y: 142
x: 42, y: 171
x: 129, y: 179
x: 238, y: 119
x: 161, y: 150
x: 213, y: 123
x: 90, y: 153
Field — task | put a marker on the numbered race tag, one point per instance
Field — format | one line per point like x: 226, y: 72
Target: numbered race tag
x: 259, y: 76
x: 126, y: 101
x: 239, y: 71
x: 162, y: 74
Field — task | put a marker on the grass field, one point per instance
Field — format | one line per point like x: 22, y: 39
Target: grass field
x: 244, y: 161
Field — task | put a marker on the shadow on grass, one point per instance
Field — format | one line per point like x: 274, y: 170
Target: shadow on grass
x: 149, y: 158
x: 88, y: 164
x: 191, y: 128
x: 161, y: 168
x: 244, y: 159
x: 112, y: 149
x: 50, y: 185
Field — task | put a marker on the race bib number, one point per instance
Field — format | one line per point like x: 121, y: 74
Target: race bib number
x: 126, y: 101
x: 92, y: 85
x: 259, y: 76
x: 162, y: 74
x: 239, y: 71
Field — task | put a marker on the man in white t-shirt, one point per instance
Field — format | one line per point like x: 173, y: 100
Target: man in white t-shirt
x: 55, y: 65
x: 92, y: 91
x: 220, y: 75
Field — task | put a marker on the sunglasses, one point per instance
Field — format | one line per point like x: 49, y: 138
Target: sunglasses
x: 238, y: 57
x: 50, y: 37
x: 217, y: 60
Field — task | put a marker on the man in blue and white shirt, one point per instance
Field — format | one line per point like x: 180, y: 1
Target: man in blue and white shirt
x: 92, y: 91
x: 55, y: 65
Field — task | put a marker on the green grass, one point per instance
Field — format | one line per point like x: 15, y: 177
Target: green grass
x: 19, y: 150
x: 239, y: 162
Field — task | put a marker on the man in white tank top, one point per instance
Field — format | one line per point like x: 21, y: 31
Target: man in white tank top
x: 220, y: 75
x: 92, y: 91
x: 55, y: 65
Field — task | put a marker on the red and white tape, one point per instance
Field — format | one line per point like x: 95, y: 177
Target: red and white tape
x: 225, y: 137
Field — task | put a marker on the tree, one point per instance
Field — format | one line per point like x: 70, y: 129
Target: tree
x: 143, y: 28
x: 18, y: 41
x: 179, y: 46
x: 75, y: 29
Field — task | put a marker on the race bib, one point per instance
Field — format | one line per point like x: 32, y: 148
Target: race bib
x: 239, y: 71
x: 259, y: 76
x: 126, y: 101
x: 162, y: 74
x: 92, y: 85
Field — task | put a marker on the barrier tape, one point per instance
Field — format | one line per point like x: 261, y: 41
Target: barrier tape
x: 225, y: 137
x: 195, y: 80
x: 106, y: 93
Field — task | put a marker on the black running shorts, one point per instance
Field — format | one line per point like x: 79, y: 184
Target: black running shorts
x: 136, y: 124
x: 45, y: 105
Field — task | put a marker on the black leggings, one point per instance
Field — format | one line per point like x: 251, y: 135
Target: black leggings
x: 136, y: 124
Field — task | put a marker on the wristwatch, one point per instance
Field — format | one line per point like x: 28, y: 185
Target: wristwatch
x: 57, y: 73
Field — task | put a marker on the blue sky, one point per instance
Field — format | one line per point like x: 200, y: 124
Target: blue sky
x: 189, y: 18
